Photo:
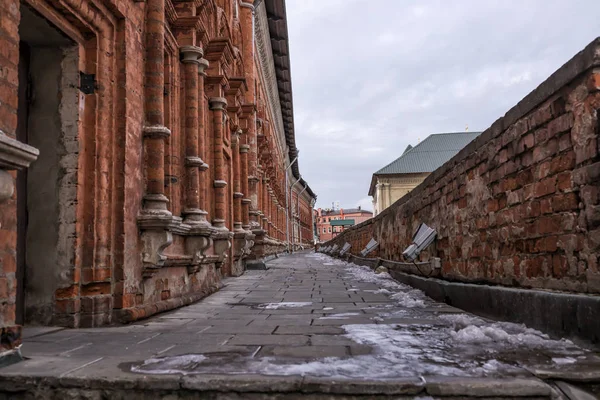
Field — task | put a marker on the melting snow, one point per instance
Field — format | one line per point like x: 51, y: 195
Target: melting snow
x: 341, y: 316
x: 564, y: 360
x: 275, y: 306
x: 171, y: 365
x: 463, y: 345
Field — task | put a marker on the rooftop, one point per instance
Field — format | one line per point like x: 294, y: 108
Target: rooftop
x: 426, y: 156
x: 346, y: 211
x: 342, y: 222
x: 430, y: 154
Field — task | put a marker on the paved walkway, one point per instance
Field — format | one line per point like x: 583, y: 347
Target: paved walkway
x: 301, y: 326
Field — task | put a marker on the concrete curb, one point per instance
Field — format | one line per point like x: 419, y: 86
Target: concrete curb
x: 274, y: 387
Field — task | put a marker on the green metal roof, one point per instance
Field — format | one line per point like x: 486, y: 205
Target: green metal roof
x: 342, y: 222
x: 430, y: 154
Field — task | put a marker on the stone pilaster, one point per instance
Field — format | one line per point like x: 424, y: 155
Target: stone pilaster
x: 155, y: 220
x: 218, y: 107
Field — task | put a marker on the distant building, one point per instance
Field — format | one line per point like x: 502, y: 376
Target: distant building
x: 410, y: 169
x: 329, y: 223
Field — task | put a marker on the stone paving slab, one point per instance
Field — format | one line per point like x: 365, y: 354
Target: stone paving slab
x: 309, y: 326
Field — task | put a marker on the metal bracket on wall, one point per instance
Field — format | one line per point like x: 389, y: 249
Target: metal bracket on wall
x: 87, y: 83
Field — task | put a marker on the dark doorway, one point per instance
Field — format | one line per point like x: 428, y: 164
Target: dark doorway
x: 22, y: 118
x: 47, y: 108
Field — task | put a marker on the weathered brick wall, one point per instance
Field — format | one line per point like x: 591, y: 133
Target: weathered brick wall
x: 520, y: 205
x: 9, y: 81
x: 163, y: 158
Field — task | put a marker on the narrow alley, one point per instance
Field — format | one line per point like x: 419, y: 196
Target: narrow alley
x: 308, y: 324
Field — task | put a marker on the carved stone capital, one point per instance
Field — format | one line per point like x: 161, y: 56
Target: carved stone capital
x: 195, y: 216
x: 218, y: 103
x: 156, y: 131
x: 194, y: 162
x: 219, y: 224
x: 246, y: 201
x: 190, y: 54
x: 155, y: 208
x: 238, y: 195
x: 202, y: 66
x: 219, y: 183
x: 244, y: 148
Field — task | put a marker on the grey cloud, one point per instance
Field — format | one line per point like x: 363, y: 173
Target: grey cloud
x: 371, y: 77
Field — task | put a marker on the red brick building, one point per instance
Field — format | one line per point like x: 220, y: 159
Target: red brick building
x: 325, y: 217
x: 164, y: 130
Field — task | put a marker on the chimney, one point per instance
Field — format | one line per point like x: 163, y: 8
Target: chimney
x: 319, y: 211
x: 342, y: 212
x: 358, y: 208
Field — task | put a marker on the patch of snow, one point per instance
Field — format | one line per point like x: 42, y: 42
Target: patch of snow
x: 276, y: 306
x: 184, y: 364
x: 340, y: 316
x: 409, y: 299
x: 327, y: 308
x: 564, y: 360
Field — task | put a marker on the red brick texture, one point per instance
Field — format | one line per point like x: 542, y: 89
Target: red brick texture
x: 9, y: 80
x: 520, y: 205
x: 165, y: 135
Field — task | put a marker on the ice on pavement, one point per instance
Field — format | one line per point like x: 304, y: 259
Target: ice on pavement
x: 171, y: 365
x: 456, y: 344
x: 289, y: 304
x: 341, y: 316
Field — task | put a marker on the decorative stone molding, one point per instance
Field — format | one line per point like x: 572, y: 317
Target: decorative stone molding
x: 14, y: 154
x: 222, y: 244
x: 190, y: 54
x: 248, y: 201
x: 218, y: 103
x: 244, y: 148
x: 155, y: 208
x: 194, y: 162
x: 219, y: 183
x: 197, y: 243
x: 202, y: 66
x: 238, y: 195
x: 156, y: 132
x: 154, y: 242
x: 267, y: 67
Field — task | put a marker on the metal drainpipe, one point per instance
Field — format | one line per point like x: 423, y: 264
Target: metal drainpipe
x: 292, y: 207
x: 299, y: 231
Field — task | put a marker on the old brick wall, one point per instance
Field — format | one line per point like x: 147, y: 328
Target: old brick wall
x: 184, y: 125
x: 9, y: 81
x: 520, y: 205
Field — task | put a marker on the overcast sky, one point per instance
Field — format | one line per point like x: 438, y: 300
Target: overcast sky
x: 372, y: 76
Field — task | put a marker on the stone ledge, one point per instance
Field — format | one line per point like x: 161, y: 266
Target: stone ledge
x: 14, y: 154
x: 272, y: 387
